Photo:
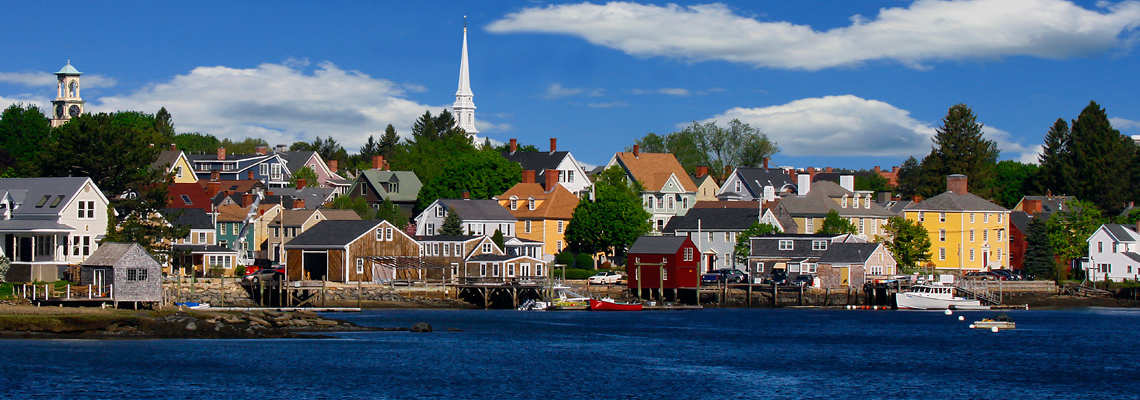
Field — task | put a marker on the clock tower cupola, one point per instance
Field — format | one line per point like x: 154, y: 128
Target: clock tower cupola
x: 67, y: 103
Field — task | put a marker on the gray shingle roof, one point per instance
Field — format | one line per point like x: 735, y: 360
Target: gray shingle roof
x: 494, y: 257
x: 165, y: 159
x: 313, y: 196
x: 1122, y: 232
x: 657, y: 245
x: 1020, y: 220
x: 756, y: 178
x: 821, y: 199
x: 478, y: 210
x: 203, y: 248
x: 408, y: 184
x: 195, y: 218
x: 950, y: 201
x: 843, y: 253
x: 727, y: 219
x: 332, y: 234
x: 1133, y: 256
x: 108, y: 254
x: 1051, y: 204
x: 294, y: 160
x: 539, y: 161
x: 769, y: 246
x: 31, y: 191
x: 446, y: 238
x: 28, y: 225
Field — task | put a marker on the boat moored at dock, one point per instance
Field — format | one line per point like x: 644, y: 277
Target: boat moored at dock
x: 935, y: 296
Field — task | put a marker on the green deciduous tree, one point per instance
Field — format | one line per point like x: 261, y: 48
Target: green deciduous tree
x: 1101, y: 159
x: 613, y: 221
x: 743, y: 245
x: 305, y: 173
x: 388, y: 211
x: 1013, y: 180
x: 354, y: 203
x: 197, y: 143
x: 869, y: 180
x: 833, y: 224
x: 113, y: 149
x: 909, y: 244
x: 24, y: 135
x: 736, y: 144
x: 452, y: 225
x: 1039, y: 261
x: 244, y: 146
x: 483, y: 174
x: 1069, y: 228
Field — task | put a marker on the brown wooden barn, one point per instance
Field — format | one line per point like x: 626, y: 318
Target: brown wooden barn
x: 353, y: 251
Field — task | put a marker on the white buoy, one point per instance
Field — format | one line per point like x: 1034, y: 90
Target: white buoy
x: 994, y: 329
x: 971, y: 326
x: 961, y: 318
x: 948, y: 312
x: 875, y: 307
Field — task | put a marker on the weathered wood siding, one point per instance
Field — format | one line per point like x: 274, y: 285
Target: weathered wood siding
x: 336, y: 265
x: 366, y: 246
x: 293, y: 259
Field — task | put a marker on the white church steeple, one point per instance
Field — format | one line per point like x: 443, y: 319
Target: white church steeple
x: 464, y: 107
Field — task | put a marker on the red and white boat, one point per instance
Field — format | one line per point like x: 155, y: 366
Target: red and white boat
x: 610, y: 305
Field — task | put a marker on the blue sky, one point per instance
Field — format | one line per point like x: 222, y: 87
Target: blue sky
x: 834, y: 83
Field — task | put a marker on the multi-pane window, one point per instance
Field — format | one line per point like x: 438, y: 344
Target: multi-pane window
x: 388, y: 233
x: 561, y: 225
x: 941, y: 253
x: 514, y: 203
x: 986, y: 217
x: 985, y: 235
x: 786, y: 245
x: 971, y: 235
x: 941, y: 217
x: 482, y: 269
x: 971, y: 254
x: 360, y: 265
x: 999, y: 233
x: 530, y: 203
x: 570, y: 176
x: 819, y: 245
x: 486, y: 247
x: 86, y: 209
x: 688, y: 254
x: 942, y: 235
x: 526, y: 226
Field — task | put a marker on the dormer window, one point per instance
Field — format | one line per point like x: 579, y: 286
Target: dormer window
x: 844, y: 201
x: 786, y: 244
x: 514, y: 203
x: 530, y: 203
x: 439, y: 212
x: 867, y: 202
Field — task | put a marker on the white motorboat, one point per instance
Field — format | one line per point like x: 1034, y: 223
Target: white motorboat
x: 564, y: 299
x: 935, y: 296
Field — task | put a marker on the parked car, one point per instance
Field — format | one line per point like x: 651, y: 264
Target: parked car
x: 982, y: 275
x: 1006, y: 275
x: 778, y: 277
x: 604, y: 278
x: 265, y: 274
x: 730, y: 275
x: 803, y: 280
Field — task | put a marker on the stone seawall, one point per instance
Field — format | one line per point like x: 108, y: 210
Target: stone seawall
x: 231, y: 293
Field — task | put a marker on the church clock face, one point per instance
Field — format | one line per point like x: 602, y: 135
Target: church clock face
x: 73, y: 111
x: 59, y: 110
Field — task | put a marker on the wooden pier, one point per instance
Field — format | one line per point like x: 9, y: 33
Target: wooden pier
x: 486, y: 293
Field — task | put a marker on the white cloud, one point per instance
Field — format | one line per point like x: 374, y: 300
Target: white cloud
x: 664, y: 91
x: 556, y: 91
x: 277, y: 102
x: 46, y: 79
x: 608, y: 104
x: 1124, y: 124
x: 43, y: 103
x: 1030, y: 157
x: 926, y: 30
x: 848, y: 125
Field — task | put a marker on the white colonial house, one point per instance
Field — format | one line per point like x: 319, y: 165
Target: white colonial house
x: 47, y: 224
x: 480, y: 217
x: 1113, y: 253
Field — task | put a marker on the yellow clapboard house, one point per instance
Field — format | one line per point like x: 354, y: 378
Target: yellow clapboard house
x: 967, y: 233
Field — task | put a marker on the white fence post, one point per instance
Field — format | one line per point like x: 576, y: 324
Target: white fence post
x: 46, y: 291
x: 69, y: 291
x: 88, y: 291
x: 112, y: 286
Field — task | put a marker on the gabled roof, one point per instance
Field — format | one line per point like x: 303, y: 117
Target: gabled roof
x: 1020, y: 220
x: 538, y: 161
x: 166, y: 159
x: 234, y: 186
x: 231, y: 213
x: 409, y: 184
x: 726, y: 204
x: 194, y: 218
x: 555, y: 204
x: 294, y: 160
x: 477, y: 210
x: 43, y: 196
x: 950, y: 201
x: 109, y: 254
x: 701, y: 181
x: 195, y: 196
x: 497, y: 257
x: 848, y: 253
x: 718, y: 219
x: 314, y: 196
x: 68, y: 70
x: 1122, y: 233
x: 820, y: 200
x: 292, y: 218
x: 1050, y: 204
x: 756, y: 178
x: 769, y: 246
x: 657, y: 245
x: 653, y: 170
x: 332, y: 234
x: 339, y: 215
x: 1133, y: 256
x: 213, y: 156
x: 447, y: 238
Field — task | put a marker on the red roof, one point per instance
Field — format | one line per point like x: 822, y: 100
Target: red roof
x: 187, y: 195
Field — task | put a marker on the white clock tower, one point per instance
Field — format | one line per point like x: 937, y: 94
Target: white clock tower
x: 464, y: 107
x: 67, y: 103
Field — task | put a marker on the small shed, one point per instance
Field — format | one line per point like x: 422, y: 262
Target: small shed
x: 125, y: 270
x: 663, y: 266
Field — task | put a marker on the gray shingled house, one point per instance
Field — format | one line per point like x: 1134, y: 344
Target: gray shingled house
x: 125, y: 270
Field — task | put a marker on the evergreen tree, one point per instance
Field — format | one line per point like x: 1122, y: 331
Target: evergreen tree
x: 910, y: 178
x: 909, y: 244
x: 1039, y: 261
x: 370, y: 148
x: 452, y: 225
x: 1056, y: 159
x: 498, y: 239
x: 1068, y: 231
x: 1101, y: 158
x: 25, y: 134
x: 960, y: 148
x: 389, y: 141
x: 833, y: 224
x: 163, y: 122
x: 1012, y: 181
x: 354, y: 203
x: 390, y: 212
x: 197, y: 143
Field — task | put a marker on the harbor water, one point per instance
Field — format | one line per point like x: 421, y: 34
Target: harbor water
x: 707, y: 354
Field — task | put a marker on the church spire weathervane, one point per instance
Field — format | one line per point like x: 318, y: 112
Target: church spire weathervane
x: 464, y: 107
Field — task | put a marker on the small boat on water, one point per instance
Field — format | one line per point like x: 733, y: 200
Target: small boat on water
x: 1000, y: 322
x: 194, y: 306
x: 608, y: 304
x: 935, y: 296
x: 564, y: 300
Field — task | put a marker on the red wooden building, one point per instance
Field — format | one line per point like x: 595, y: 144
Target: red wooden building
x: 664, y: 267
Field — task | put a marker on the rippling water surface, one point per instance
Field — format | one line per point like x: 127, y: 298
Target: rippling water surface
x: 708, y: 354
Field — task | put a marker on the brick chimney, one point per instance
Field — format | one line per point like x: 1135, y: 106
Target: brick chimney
x: 215, y: 176
x: 551, y: 179
x: 410, y: 229
x: 246, y: 199
x: 301, y: 183
x: 877, y: 169
x: 528, y: 176
x: 466, y: 195
x: 553, y: 145
x: 173, y: 147
x: 378, y: 162
x: 957, y: 183
x: 895, y: 169
x: 514, y: 145
x: 702, y: 171
x: 212, y: 188
x: 333, y: 164
x: 636, y: 151
x: 1031, y: 206
x: 221, y: 153
x: 298, y: 204
x: 916, y: 198
x: 828, y: 169
x: 249, y: 175
x: 262, y: 150
x: 766, y: 162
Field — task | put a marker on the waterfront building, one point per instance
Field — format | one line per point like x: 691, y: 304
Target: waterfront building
x: 715, y: 231
x: 967, y: 232
x: 199, y: 249
x: 853, y: 264
x: 173, y: 162
x: 126, y: 271
x: 1114, y: 254
x: 793, y: 253
x: 479, y: 217
x: 352, y: 251
x: 667, y: 190
x: 542, y: 213
x: 47, y: 224
x: 377, y: 184
x: 67, y: 104
x: 663, y: 267
x: 569, y: 173
x: 289, y: 224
